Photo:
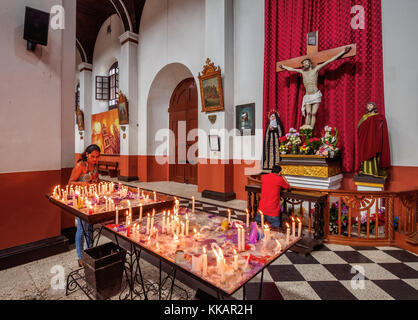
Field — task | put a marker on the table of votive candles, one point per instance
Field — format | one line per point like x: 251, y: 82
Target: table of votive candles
x: 107, y: 201
x: 218, y: 251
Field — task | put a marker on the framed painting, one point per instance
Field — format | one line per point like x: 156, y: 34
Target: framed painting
x: 80, y: 119
x: 123, y: 109
x: 245, y: 119
x: 211, y: 88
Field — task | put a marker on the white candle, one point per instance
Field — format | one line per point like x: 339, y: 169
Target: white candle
x: 155, y: 196
x: 287, y: 233
x: 248, y: 218
x: 141, y: 209
x: 130, y: 208
x: 182, y: 229
x: 266, y: 233
x: 239, y: 237
x: 235, y: 260
x: 138, y: 193
x: 178, y: 226
x: 204, y: 263
x: 299, y: 228
x: 196, y: 264
x: 152, y: 220
x: 262, y: 218
x: 127, y: 219
x: 242, y: 239
x: 187, y: 224
x: 148, y: 223
x: 279, y: 246
x: 168, y: 224
x: 293, y: 227
x: 163, y: 230
x: 246, y: 263
x: 117, y: 216
x: 229, y: 216
x: 193, y: 204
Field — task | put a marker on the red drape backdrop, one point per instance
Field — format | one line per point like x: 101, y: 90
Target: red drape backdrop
x: 347, y: 84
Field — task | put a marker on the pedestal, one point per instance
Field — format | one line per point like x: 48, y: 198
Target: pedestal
x: 310, y: 171
x: 370, y: 183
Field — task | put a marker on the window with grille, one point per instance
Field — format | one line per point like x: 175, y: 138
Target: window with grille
x: 114, y: 86
x: 102, y: 88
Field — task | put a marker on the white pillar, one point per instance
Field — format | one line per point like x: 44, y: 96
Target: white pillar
x: 128, y: 84
x: 86, y: 102
x: 219, y: 47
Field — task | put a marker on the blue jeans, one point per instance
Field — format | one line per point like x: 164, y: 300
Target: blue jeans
x: 80, y: 237
x: 274, y: 221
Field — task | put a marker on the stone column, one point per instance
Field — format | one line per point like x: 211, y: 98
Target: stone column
x: 128, y: 84
x: 215, y: 169
x: 86, y: 90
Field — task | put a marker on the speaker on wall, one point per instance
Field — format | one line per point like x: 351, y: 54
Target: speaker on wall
x: 36, y: 28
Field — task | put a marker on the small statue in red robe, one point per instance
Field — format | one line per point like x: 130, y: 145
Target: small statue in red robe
x: 373, y: 140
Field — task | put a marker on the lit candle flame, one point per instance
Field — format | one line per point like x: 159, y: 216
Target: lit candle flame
x: 204, y: 249
x: 287, y: 225
x: 293, y: 219
x: 299, y: 220
x: 235, y: 251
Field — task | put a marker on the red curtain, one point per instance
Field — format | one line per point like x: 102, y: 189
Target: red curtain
x: 347, y: 84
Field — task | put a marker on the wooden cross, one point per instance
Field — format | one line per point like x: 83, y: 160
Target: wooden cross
x: 316, y: 56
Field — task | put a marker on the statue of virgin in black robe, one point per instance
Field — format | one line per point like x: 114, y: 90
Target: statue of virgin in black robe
x: 274, y: 130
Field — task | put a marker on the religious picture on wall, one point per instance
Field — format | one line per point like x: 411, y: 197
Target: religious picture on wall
x: 123, y: 109
x: 211, y: 88
x: 106, y: 131
x: 80, y: 119
x: 245, y: 119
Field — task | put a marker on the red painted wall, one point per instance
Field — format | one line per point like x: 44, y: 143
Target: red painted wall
x: 26, y: 215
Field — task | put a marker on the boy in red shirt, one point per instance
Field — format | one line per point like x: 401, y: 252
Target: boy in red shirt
x: 271, y: 185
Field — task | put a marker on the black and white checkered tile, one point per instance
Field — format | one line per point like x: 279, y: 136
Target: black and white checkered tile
x: 334, y: 272
x: 338, y: 272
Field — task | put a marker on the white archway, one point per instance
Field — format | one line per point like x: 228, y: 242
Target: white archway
x: 158, y: 101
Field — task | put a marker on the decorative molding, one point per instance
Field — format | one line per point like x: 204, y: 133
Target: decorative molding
x: 85, y: 67
x: 311, y: 171
x: 128, y: 36
x: 212, y: 118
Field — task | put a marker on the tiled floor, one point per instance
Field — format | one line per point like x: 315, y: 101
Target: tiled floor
x: 344, y: 272
x: 334, y: 272
x: 180, y: 190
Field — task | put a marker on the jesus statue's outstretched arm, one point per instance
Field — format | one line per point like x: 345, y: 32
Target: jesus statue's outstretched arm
x: 320, y: 66
x: 290, y: 69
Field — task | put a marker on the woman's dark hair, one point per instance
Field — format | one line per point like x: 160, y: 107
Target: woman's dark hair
x: 90, y: 149
x: 276, y: 169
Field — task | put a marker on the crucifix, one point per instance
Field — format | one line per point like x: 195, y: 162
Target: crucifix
x: 311, y: 64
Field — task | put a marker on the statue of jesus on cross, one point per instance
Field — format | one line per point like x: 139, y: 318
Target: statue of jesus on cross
x: 313, y: 96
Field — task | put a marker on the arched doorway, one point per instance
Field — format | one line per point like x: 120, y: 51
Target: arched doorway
x: 183, y: 117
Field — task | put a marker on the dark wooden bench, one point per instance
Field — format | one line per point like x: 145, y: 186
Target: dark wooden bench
x: 108, y: 168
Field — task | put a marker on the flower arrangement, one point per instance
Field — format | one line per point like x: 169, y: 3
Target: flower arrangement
x: 329, y: 142
x: 305, y: 149
x: 294, y: 140
x: 306, y: 130
x: 284, y: 148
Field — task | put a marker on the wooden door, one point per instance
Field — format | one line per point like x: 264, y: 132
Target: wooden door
x: 183, y: 118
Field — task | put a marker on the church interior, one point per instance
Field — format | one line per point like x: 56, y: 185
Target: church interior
x: 165, y: 126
